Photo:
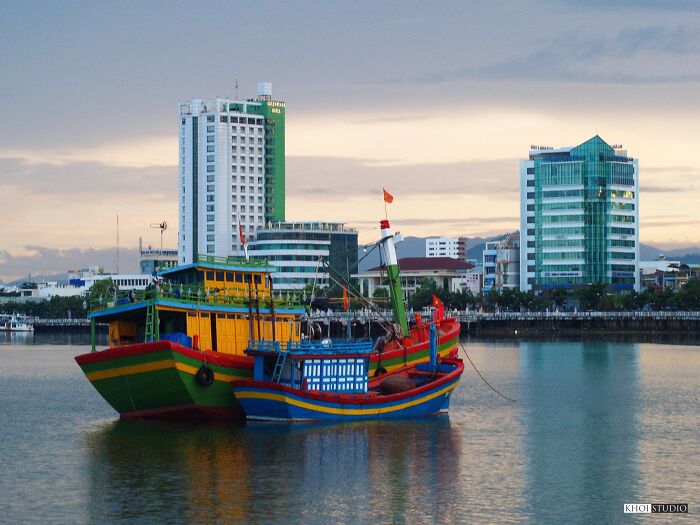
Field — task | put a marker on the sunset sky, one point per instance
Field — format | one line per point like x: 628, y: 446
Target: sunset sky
x: 435, y: 101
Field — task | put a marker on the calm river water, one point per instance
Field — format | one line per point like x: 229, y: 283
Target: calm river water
x: 596, y: 425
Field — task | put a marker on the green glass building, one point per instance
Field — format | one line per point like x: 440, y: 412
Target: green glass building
x: 579, y: 215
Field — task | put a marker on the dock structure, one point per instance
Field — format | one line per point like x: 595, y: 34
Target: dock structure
x: 475, y: 323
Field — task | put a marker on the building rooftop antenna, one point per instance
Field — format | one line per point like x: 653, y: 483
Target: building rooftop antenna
x: 162, y: 226
x: 236, y: 89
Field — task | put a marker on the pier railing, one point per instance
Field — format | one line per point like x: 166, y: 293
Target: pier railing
x: 471, y: 316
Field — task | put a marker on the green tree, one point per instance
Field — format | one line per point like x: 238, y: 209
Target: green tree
x: 423, y: 295
x: 102, y: 289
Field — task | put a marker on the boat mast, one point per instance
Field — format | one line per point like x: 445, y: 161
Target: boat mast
x: 392, y: 265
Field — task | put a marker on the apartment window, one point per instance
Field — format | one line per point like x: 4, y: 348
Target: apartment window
x: 530, y: 280
x: 210, y: 249
x: 223, y: 118
x: 531, y: 171
x: 530, y: 194
x: 210, y: 138
x: 210, y: 217
x: 183, y: 122
x: 210, y: 207
x: 531, y: 231
x: 210, y: 187
x: 530, y: 220
x: 233, y: 149
x: 210, y: 118
x: 210, y: 178
x: 530, y: 183
x: 530, y: 256
x: 531, y: 268
x: 530, y: 244
x: 210, y: 198
x: 210, y: 129
x: 210, y: 227
x: 210, y: 148
x: 210, y: 158
x: 242, y: 169
x: 530, y: 207
x: 210, y: 168
x: 210, y: 237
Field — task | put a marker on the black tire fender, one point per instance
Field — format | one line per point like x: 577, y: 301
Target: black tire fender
x: 205, y: 376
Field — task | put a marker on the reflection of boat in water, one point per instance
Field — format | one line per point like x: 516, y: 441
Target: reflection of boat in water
x: 15, y: 323
x: 176, y: 348
x: 331, y: 382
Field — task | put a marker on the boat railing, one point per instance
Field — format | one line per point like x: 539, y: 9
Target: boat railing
x: 232, y: 261
x: 324, y: 347
x: 253, y: 297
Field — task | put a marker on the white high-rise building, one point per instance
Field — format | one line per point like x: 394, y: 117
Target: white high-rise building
x: 231, y: 172
x: 455, y: 247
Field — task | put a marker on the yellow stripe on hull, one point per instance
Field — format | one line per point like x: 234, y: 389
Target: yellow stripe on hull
x: 152, y: 367
x: 342, y: 411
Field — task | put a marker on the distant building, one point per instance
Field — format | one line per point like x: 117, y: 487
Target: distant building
x: 501, y: 263
x: 295, y: 249
x: 455, y: 247
x: 579, y: 217
x: 472, y: 280
x: 232, y: 171
x: 154, y: 261
x: 447, y: 273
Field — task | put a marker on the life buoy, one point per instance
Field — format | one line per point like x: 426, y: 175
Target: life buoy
x: 205, y: 376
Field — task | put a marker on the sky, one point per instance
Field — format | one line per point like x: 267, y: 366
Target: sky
x: 435, y: 101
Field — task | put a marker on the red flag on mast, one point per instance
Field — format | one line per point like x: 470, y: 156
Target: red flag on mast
x: 440, y: 308
x: 388, y: 197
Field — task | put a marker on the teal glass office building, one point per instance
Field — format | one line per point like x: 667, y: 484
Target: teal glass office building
x: 579, y: 217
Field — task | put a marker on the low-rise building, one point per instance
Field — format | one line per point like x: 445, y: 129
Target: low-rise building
x: 501, y: 261
x: 445, y: 271
x: 154, y: 261
x: 295, y: 250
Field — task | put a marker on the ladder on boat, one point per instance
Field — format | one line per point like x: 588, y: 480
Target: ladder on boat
x: 279, y: 366
x: 152, y: 327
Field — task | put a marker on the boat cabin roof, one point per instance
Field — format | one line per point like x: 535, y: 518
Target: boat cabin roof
x: 232, y: 264
x: 307, y: 349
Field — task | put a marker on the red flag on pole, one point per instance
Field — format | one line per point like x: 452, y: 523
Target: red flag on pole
x: 440, y: 308
x: 388, y: 197
x: 242, y: 236
x: 346, y: 301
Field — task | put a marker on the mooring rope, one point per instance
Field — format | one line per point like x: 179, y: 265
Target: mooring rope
x: 482, y: 377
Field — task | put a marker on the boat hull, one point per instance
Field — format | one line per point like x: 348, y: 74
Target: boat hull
x: 158, y: 379
x: 266, y: 401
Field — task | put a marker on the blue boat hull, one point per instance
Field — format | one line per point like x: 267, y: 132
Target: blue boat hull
x: 274, y: 402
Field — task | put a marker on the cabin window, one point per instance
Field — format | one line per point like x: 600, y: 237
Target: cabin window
x: 204, y: 315
x: 257, y: 279
x: 229, y: 277
x: 210, y: 276
x: 219, y: 276
x: 191, y: 314
x: 248, y: 279
x: 221, y: 316
x: 231, y: 316
x: 239, y: 277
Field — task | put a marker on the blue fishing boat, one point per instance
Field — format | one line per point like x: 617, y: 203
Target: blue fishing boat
x: 329, y: 380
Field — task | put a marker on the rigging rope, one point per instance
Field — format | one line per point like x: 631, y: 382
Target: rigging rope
x: 482, y: 377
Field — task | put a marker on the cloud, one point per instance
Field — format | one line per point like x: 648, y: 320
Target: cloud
x: 40, y: 260
x: 592, y: 58
x: 666, y: 189
x: 346, y: 176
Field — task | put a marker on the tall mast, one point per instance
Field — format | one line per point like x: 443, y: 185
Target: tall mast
x: 392, y: 264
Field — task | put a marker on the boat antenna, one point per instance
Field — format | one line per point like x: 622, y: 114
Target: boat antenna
x: 162, y: 226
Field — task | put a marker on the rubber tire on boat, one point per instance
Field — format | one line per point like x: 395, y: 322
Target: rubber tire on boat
x: 380, y: 371
x: 205, y: 376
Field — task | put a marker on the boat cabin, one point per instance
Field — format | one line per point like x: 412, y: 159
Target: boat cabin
x: 326, y: 366
x: 214, y: 304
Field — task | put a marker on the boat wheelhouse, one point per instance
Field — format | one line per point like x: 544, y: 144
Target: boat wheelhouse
x: 175, y: 347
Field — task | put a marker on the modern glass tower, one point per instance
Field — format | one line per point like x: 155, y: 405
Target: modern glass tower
x: 232, y: 171
x: 579, y: 217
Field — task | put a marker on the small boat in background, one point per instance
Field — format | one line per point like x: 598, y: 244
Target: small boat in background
x: 328, y: 380
x: 15, y: 323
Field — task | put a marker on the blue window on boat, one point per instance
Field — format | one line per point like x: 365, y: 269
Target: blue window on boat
x: 347, y: 375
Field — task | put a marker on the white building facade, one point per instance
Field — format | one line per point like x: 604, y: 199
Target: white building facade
x: 228, y: 156
x: 501, y: 263
x: 455, y: 247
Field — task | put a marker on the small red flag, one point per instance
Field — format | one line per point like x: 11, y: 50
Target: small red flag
x: 388, y: 197
x: 440, y: 308
x: 346, y: 301
x: 241, y: 235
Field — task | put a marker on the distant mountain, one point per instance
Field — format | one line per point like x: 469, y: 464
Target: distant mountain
x: 36, y: 278
x: 415, y: 247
